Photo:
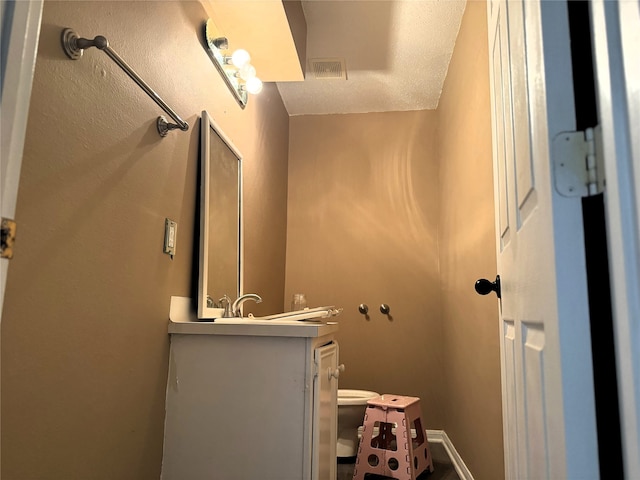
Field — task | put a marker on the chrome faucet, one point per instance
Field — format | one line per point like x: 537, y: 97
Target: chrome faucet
x: 235, y: 307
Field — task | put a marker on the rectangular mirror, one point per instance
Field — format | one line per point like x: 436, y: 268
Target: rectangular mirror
x: 220, y: 220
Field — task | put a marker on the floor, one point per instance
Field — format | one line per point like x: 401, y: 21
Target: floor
x: 442, y: 467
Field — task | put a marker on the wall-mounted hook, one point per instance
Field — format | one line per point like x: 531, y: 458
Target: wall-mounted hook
x: 364, y: 310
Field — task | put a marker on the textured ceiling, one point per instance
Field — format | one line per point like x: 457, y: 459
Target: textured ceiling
x: 396, y: 54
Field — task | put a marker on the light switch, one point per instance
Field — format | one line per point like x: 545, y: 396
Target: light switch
x: 170, y: 234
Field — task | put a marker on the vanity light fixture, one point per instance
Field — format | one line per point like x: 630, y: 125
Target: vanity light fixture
x: 235, y: 67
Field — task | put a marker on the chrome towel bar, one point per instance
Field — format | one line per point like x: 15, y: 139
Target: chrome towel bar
x: 74, y: 46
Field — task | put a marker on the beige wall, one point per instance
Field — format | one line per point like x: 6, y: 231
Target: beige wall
x: 467, y: 252
x: 397, y: 208
x: 84, y: 327
x: 362, y: 228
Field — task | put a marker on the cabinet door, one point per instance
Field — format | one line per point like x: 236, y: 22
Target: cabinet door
x: 325, y: 412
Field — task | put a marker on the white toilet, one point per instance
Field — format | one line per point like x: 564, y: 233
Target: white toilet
x: 351, y: 408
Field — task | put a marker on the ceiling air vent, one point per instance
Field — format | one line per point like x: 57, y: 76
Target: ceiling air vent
x: 328, y: 68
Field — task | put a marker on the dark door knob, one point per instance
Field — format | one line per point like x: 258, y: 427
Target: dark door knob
x: 484, y: 286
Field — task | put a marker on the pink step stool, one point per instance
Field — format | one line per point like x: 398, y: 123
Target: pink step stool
x: 383, y: 452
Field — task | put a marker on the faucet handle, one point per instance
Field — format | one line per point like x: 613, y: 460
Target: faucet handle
x: 225, y: 301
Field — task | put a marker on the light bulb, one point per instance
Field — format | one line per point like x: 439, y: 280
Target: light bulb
x: 247, y: 71
x: 254, y: 85
x: 240, y: 58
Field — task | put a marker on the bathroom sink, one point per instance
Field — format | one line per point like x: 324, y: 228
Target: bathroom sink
x: 313, y: 315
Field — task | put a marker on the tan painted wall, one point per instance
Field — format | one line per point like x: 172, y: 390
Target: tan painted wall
x: 467, y: 252
x: 362, y: 228
x: 84, y: 327
x: 398, y: 208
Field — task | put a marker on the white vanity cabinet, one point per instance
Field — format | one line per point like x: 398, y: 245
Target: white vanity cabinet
x: 251, y: 402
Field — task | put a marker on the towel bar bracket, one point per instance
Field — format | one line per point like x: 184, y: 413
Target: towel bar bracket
x: 74, y: 47
x: 164, y: 126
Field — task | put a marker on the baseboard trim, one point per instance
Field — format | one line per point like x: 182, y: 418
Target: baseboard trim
x: 440, y: 436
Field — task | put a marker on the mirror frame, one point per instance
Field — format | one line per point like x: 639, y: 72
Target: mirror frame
x: 207, y: 127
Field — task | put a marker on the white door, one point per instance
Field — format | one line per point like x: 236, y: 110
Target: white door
x: 616, y: 38
x: 547, y: 378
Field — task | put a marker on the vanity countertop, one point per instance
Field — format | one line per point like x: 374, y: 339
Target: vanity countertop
x: 182, y: 320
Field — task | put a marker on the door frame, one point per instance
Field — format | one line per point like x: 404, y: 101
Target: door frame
x: 20, y: 33
x: 616, y: 41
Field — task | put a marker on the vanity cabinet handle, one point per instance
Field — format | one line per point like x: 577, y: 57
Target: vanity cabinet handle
x: 336, y: 373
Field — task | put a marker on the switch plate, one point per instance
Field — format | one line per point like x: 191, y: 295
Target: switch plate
x: 170, y: 236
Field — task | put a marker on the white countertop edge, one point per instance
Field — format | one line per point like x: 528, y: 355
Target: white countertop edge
x: 300, y: 329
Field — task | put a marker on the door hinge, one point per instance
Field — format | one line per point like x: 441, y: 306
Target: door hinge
x: 316, y: 367
x: 578, y: 163
x: 7, y: 238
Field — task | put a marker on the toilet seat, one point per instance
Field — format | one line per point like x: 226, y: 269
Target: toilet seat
x: 355, y: 397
